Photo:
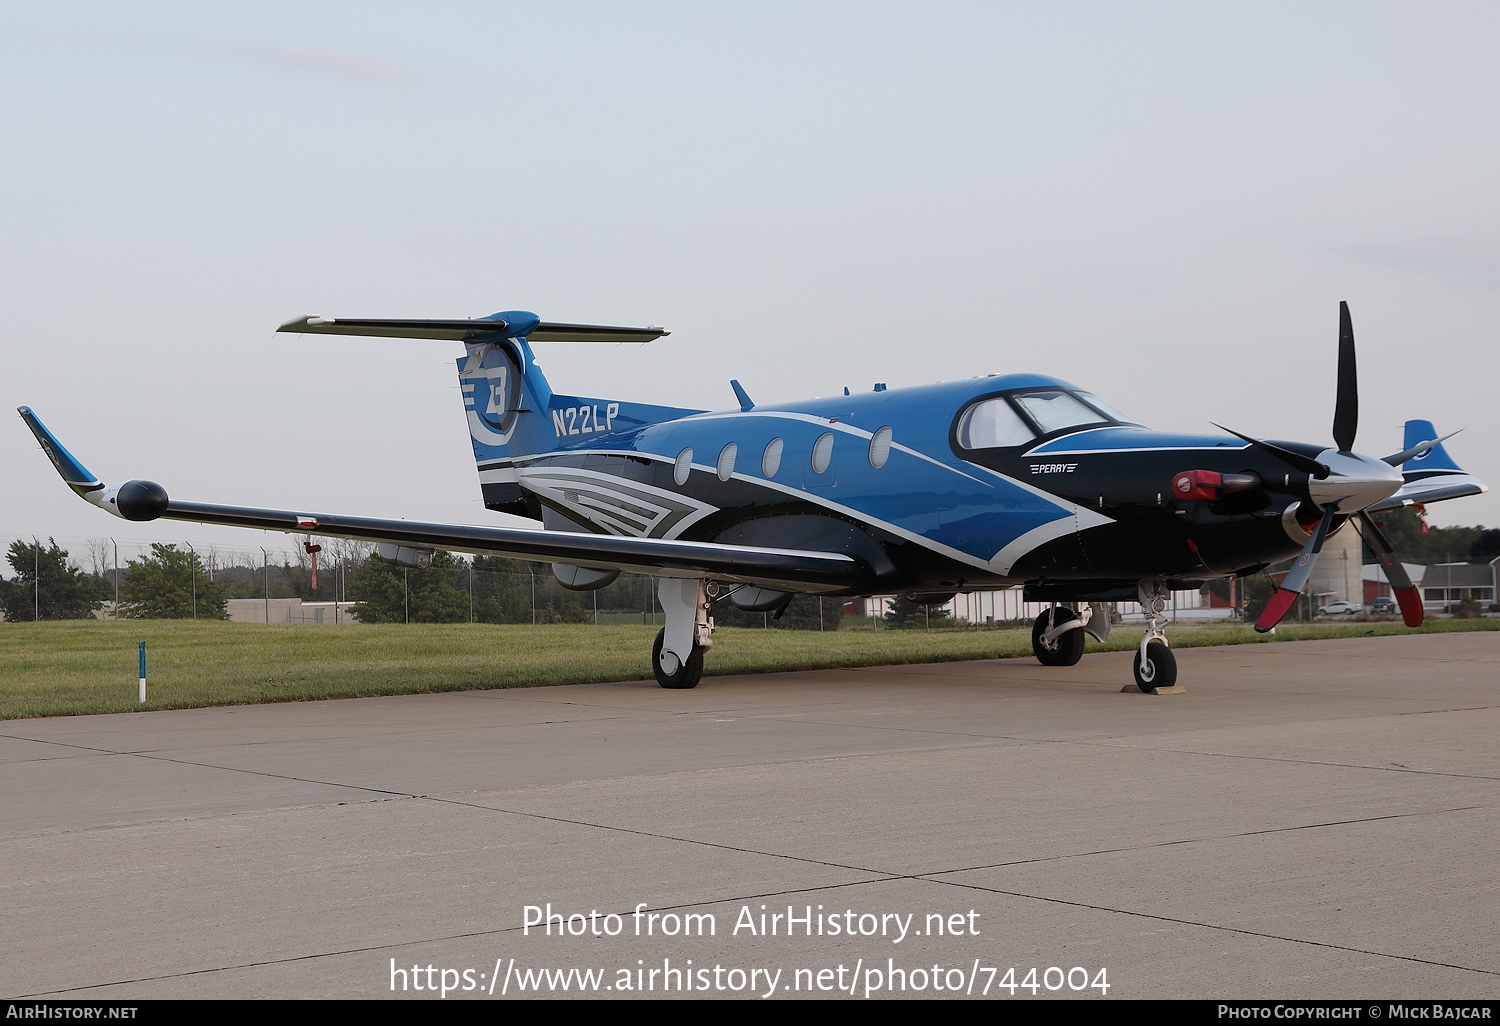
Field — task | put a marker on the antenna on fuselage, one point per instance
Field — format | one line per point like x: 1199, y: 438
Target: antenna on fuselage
x: 746, y: 403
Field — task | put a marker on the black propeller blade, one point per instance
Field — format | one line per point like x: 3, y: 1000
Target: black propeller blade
x: 1306, y: 464
x: 1346, y: 411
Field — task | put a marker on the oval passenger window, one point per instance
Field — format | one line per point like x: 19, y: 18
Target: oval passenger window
x: 822, y: 453
x: 771, y: 461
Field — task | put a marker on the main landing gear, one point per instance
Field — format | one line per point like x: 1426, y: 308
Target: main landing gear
x: 677, y: 655
x: 1057, y: 637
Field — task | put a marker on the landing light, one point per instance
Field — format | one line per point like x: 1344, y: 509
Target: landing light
x: 1210, y: 484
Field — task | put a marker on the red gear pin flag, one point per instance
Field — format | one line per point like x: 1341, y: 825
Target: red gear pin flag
x: 313, y: 550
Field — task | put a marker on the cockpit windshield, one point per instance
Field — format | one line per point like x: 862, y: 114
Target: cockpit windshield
x: 1106, y: 409
x: 1055, y: 410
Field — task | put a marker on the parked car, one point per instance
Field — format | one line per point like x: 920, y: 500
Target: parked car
x: 1383, y: 604
x: 1338, y: 608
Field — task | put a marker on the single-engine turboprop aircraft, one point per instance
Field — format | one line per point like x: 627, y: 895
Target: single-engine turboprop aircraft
x: 928, y: 491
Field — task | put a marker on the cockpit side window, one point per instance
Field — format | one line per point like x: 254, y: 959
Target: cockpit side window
x: 992, y: 424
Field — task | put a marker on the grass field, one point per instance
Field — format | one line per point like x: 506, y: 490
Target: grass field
x: 78, y: 667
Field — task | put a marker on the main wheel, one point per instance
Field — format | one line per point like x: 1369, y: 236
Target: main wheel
x: 1159, y: 670
x: 687, y: 675
x: 1067, y: 648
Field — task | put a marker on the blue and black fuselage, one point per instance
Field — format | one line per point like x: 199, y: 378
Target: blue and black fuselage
x: 1003, y: 480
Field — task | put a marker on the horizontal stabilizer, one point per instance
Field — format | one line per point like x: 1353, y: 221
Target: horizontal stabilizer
x: 507, y: 324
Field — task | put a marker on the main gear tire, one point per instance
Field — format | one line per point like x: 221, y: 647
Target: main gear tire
x: 1067, y: 648
x: 687, y: 675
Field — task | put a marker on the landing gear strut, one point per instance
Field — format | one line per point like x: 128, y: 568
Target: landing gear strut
x: 1155, y: 665
x: 677, y: 655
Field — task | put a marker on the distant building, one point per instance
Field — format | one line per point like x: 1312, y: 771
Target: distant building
x: 1446, y: 584
x: 289, y: 610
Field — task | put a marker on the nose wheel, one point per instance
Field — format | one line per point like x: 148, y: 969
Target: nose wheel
x: 1155, y: 667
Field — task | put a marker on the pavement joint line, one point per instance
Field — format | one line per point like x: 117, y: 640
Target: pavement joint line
x: 885, y: 874
x: 663, y: 837
x: 227, y: 769
x: 1204, y: 840
x: 1224, y: 929
x: 1294, y: 762
x: 437, y: 940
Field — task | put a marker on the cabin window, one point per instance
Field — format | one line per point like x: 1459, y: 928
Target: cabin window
x: 726, y: 461
x: 880, y: 447
x: 992, y: 424
x: 822, y: 453
x: 771, y: 461
x: 684, y: 466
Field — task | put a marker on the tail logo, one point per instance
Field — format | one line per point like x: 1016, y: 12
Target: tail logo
x: 491, y: 382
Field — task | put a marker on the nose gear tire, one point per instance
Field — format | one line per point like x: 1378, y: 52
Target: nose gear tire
x: 1159, y: 670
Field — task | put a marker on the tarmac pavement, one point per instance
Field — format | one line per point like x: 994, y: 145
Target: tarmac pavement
x: 1312, y: 819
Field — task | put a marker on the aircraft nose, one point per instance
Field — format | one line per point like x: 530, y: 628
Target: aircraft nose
x: 1356, y: 482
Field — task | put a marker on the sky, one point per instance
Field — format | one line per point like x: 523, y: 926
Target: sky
x: 1163, y: 203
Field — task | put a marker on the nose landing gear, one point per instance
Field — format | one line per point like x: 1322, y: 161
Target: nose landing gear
x: 1155, y: 665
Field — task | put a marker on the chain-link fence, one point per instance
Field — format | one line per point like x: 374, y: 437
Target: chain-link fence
x: 340, y: 583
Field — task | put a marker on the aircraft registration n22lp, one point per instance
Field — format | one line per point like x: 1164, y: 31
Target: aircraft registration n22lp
x: 928, y: 491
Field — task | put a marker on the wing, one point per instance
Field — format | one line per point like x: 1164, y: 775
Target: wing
x: 1433, y: 489
x: 787, y: 569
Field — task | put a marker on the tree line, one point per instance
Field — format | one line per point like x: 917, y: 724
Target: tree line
x: 172, y: 583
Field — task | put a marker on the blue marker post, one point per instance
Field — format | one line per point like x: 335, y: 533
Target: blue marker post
x: 143, y: 673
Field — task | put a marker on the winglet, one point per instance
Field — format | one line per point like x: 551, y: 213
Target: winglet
x: 73, y: 472
x: 133, y: 500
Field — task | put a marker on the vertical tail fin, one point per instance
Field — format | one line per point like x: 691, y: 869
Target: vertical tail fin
x: 513, y: 414
x: 1436, y: 458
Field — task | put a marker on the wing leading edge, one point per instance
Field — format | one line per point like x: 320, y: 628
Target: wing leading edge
x: 792, y: 569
